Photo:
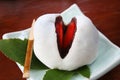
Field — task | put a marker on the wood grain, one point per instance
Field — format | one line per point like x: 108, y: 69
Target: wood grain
x: 18, y: 14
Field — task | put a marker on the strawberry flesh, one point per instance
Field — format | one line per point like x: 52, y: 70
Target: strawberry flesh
x: 65, y: 35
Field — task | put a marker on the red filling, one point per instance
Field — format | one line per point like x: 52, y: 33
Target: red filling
x: 65, y: 35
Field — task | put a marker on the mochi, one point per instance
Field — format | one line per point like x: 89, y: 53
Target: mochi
x: 82, y: 43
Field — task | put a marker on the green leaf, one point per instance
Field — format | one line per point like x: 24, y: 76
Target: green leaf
x: 15, y: 49
x: 84, y: 71
x: 54, y: 74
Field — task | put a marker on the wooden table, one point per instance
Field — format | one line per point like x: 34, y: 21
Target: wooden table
x: 18, y: 15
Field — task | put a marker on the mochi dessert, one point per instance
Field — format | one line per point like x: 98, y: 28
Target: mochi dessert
x: 65, y: 45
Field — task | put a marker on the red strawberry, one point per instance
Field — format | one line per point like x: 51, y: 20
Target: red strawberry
x: 65, y: 35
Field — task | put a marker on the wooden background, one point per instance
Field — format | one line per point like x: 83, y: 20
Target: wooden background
x: 18, y: 15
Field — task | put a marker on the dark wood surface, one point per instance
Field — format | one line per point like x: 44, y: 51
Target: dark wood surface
x: 18, y: 15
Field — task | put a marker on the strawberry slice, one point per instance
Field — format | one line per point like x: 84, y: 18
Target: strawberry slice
x: 69, y: 34
x: 65, y: 35
x: 59, y: 30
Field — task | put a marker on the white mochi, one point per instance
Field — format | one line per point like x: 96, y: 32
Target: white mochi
x: 83, y: 49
